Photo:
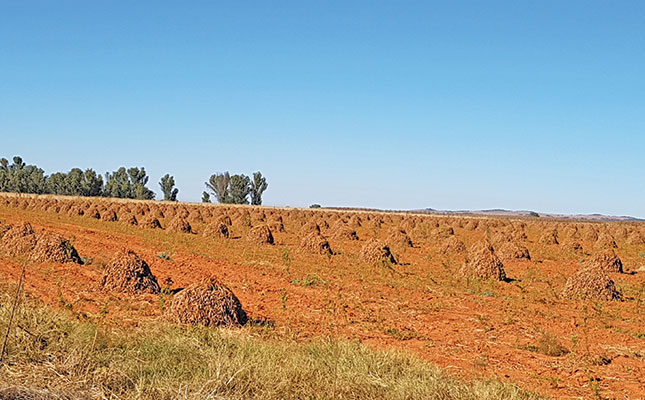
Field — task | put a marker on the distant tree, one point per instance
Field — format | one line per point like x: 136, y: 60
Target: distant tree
x: 258, y: 186
x: 315, y: 206
x: 92, y: 183
x: 4, y: 175
x: 219, y: 184
x: 21, y: 178
x: 139, y: 179
x: 74, y: 182
x: 168, y: 188
x: 239, y: 189
x: 128, y: 184
x: 534, y: 214
x: 117, y: 184
x: 55, y: 183
x: 206, y: 198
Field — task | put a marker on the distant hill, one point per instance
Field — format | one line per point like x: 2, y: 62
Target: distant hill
x: 525, y: 213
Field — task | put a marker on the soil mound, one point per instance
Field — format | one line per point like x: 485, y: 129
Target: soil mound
x: 216, y: 229
x: 635, y: 238
x: 19, y: 240
x: 129, y: 219
x: 180, y: 225
x: 549, y: 237
x: 315, y: 242
x: 261, y: 235
x: 93, y: 213
x: 109, y: 216
x: 453, y: 245
x: 344, y: 232
x: 128, y: 273
x: 225, y: 219
x: 482, y: 262
x: 591, y: 283
x: 608, y: 261
x: 310, y: 227
x: 51, y: 247
x: 277, y: 226
x: 75, y: 211
x: 576, y: 247
x: 513, y: 251
x: 207, y: 303
x: 606, y: 241
x: 376, y: 251
x: 150, y: 222
x: 401, y: 238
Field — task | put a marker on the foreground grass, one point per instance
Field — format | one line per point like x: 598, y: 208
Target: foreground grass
x: 68, y: 358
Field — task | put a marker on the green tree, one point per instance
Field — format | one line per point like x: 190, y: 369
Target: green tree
x: 138, y: 181
x: 117, y: 184
x: 258, y: 186
x: 56, y: 183
x: 239, y: 189
x: 92, y: 183
x: 206, y: 198
x: 4, y: 175
x: 22, y: 178
x: 168, y: 188
x: 219, y: 184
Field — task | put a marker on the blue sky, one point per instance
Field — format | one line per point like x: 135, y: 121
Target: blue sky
x: 399, y: 105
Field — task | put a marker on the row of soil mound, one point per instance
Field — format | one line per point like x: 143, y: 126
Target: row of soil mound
x: 345, y: 223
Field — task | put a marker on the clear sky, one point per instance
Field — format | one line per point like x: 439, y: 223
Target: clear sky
x: 535, y: 105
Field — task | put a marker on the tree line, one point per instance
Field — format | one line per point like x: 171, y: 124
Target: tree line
x: 127, y: 183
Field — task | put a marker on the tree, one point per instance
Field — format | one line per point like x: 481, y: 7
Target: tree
x: 206, y: 198
x: 167, y: 184
x: 75, y: 183
x: 21, y: 178
x: 117, y: 184
x: 239, y: 189
x: 128, y: 184
x: 219, y: 184
x: 92, y: 183
x: 56, y: 183
x: 258, y: 186
x: 139, y: 179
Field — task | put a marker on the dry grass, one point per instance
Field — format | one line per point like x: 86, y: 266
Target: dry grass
x: 56, y: 356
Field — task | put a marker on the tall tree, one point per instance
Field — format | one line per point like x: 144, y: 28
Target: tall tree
x: 117, y: 184
x: 168, y: 188
x: 258, y: 186
x: 239, y: 189
x: 219, y: 184
x: 138, y: 180
x: 56, y: 183
x: 21, y: 178
x: 92, y: 184
x: 4, y: 175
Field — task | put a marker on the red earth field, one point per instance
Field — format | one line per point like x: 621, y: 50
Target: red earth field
x: 526, y: 329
